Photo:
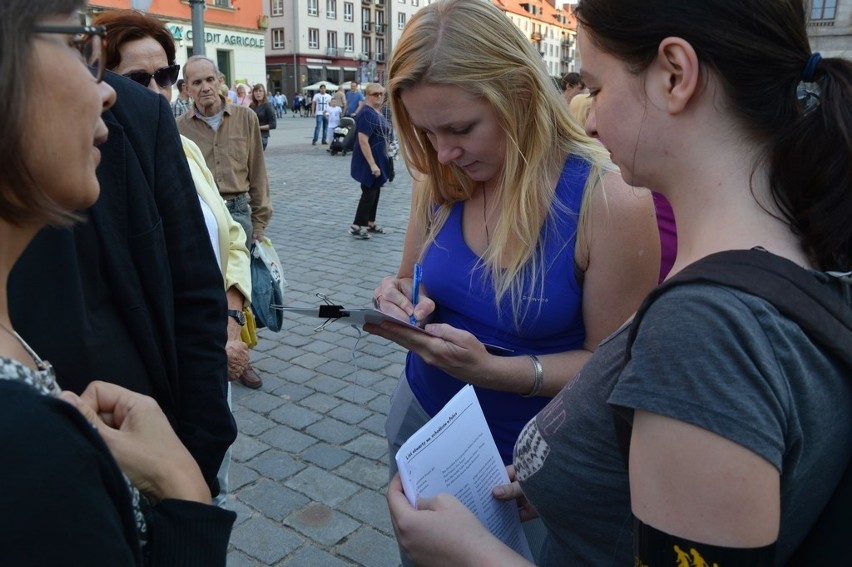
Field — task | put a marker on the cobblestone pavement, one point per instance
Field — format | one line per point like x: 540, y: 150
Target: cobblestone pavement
x: 309, y: 471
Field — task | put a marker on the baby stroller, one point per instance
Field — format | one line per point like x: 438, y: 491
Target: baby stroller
x: 343, y: 137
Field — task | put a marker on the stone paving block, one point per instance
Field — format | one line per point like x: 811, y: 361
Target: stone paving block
x: 332, y: 431
x: 368, y: 445
x: 366, y: 472
x: 322, y: 403
x: 337, y: 369
x: 350, y: 413
x: 310, y: 556
x: 299, y: 375
x: 287, y: 439
x: 251, y: 423
x: 342, y: 354
x: 275, y: 465
x: 296, y: 340
x: 271, y: 499
x: 246, y: 447
x: 327, y: 384
x: 264, y: 540
x: 370, y: 547
x: 237, y: 558
x: 371, y: 507
x: 386, y: 386
x: 321, y: 524
x: 325, y: 456
x: 318, y: 346
x: 370, y: 362
x: 260, y: 401
x: 309, y: 360
x: 291, y: 392
x: 375, y: 424
x: 285, y: 352
x: 239, y: 475
x: 357, y: 394
x: 295, y: 416
x: 322, y: 486
x: 395, y: 368
x: 243, y: 512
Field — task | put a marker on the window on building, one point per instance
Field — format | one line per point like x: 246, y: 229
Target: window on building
x: 222, y: 3
x: 400, y: 20
x: 276, y: 7
x: 380, y: 50
x: 365, y: 47
x: 331, y: 9
x: 823, y: 9
x: 278, y: 38
x: 415, y: 2
x: 348, y: 11
x: 349, y: 42
x: 331, y: 38
x: 313, y: 38
x: 313, y: 8
x: 365, y: 20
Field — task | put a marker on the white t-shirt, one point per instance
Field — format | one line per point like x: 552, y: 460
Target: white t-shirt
x: 322, y: 101
x: 334, y: 113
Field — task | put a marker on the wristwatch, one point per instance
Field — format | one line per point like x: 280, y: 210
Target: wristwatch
x: 238, y: 316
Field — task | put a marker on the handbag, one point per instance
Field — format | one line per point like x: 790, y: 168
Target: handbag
x: 267, y: 285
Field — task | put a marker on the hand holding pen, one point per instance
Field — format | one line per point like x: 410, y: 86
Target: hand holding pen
x: 415, y: 290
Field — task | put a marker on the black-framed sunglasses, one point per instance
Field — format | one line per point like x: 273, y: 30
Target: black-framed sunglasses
x: 164, y: 76
x: 89, y: 41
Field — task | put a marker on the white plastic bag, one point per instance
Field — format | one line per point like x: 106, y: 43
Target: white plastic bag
x: 267, y: 282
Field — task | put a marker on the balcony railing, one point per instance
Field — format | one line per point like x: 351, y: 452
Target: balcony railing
x: 380, y: 56
x: 331, y: 52
x: 365, y: 27
x: 380, y: 29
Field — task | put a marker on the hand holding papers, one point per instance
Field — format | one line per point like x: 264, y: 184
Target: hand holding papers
x: 455, y: 453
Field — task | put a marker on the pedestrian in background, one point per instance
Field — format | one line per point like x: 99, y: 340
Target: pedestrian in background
x: 370, y: 161
x: 265, y: 112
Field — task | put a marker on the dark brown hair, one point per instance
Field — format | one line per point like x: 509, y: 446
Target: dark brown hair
x: 124, y: 26
x: 758, y: 49
x: 21, y: 201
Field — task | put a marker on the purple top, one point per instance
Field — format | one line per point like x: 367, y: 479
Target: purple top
x: 668, y: 234
x: 464, y: 298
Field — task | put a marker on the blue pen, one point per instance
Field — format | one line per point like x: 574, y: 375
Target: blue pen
x: 415, y: 290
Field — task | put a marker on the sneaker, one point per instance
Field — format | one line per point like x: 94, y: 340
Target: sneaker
x: 324, y: 143
x: 358, y: 232
x: 376, y: 229
x: 314, y: 143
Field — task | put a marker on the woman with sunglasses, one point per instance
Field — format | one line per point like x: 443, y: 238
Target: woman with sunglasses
x: 369, y: 165
x: 66, y: 498
x: 142, y: 49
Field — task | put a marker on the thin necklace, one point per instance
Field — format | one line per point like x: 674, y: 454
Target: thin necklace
x: 485, y: 217
x: 42, y: 365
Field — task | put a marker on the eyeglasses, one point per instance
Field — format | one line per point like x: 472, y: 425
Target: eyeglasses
x: 376, y: 94
x: 88, y: 40
x: 164, y: 76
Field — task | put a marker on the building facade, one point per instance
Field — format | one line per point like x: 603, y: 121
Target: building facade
x: 830, y: 27
x: 234, y: 35
x: 309, y: 41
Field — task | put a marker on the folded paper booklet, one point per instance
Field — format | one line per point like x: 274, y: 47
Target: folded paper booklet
x: 455, y: 453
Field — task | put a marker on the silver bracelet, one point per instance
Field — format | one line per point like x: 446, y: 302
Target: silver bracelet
x: 539, y: 377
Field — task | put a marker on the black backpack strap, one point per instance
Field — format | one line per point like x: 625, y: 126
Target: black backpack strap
x: 813, y: 302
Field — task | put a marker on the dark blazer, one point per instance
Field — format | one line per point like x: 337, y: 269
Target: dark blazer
x: 134, y: 296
